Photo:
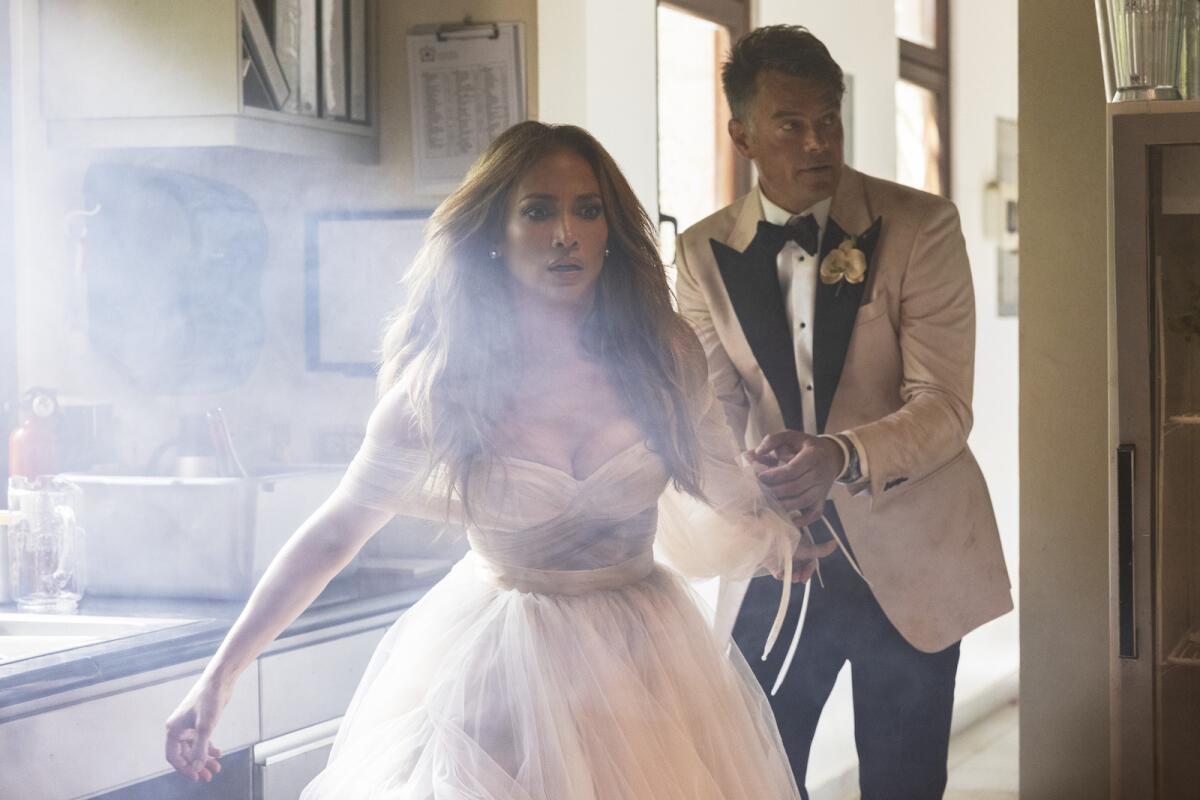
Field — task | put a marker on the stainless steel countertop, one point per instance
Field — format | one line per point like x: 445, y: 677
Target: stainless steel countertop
x: 343, y: 601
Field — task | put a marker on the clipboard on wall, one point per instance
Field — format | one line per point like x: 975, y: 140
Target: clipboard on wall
x: 466, y: 85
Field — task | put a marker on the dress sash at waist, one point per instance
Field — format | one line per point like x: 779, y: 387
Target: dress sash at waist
x: 572, y: 581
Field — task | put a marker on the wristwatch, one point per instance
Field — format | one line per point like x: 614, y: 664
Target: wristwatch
x: 853, y: 471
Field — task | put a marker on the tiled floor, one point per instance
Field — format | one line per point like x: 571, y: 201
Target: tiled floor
x: 983, y: 748
x: 985, y: 693
x: 983, y: 759
x: 983, y: 763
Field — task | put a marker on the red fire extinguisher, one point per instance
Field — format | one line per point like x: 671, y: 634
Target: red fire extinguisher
x: 33, y: 445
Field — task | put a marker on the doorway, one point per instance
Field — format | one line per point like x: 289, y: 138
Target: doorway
x: 698, y: 169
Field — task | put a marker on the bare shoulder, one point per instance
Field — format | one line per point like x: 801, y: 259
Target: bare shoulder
x: 394, y: 420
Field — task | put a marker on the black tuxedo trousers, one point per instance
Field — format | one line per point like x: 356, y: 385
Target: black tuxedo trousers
x: 903, y: 698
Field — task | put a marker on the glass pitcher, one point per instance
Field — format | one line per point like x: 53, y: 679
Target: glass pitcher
x: 1144, y: 47
x: 45, y: 545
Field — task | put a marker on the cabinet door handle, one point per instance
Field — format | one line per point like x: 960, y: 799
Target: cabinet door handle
x: 1127, y: 628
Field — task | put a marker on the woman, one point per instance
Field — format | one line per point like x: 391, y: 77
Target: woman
x: 539, y: 389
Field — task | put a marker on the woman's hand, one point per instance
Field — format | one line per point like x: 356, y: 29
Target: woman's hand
x: 804, y: 562
x: 189, y: 728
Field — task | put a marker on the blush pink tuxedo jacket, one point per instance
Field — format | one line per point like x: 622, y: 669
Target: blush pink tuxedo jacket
x: 921, y: 525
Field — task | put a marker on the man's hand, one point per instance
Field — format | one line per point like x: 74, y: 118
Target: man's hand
x: 799, y: 471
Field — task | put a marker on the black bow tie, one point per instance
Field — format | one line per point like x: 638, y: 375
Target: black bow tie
x: 804, y: 231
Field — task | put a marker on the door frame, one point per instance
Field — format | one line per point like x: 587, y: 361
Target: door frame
x: 8, y: 304
x: 734, y: 16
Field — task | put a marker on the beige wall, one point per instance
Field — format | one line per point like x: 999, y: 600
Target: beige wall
x: 1064, y: 412
x: 598, y: 62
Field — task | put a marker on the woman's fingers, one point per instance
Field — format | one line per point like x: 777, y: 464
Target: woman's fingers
x: 794, y: 469
x: 201, y: 750
x: 800, y: 496
x: 803, y: 571
x: 759, y: 460
x: 810, y: 515
x: 211, y: 765
x: 175, y: 750
x: 181, y: 734
x: 783, y: 440
x: 188, y: 749
x: 784, y: 491
x: 804, y: 511
x: 805, y: 551
x: 179, y: 752
x: 804, y: 560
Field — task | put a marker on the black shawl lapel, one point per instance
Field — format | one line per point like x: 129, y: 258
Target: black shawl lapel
x: 752, y: 281
x: 836, y: 308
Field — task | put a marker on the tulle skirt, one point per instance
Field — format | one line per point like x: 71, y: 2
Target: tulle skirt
x: 484, y: 693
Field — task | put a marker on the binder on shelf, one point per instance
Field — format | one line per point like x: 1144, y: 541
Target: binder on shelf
x: 358, y: 60
x: 334, y: 103
x: 297, y: 49
x: 262, y: 53
x: 254, y: 89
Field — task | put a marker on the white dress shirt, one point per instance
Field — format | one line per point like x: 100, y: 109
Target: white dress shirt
x: 798, y: 280
x: 797, y: 271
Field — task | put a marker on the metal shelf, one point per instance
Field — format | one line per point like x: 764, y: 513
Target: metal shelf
x: 1187, y: 651
x: 1176, y: 421
x: 1153, y: 107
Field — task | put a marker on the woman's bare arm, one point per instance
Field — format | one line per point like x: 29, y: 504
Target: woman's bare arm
x: 314, y: 554
x: 319, y: 549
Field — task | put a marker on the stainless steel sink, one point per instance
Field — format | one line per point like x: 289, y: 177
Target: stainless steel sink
x: 155, y: 536
x: 29, y: 635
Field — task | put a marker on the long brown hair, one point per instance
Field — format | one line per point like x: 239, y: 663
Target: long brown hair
x: 453, y: 344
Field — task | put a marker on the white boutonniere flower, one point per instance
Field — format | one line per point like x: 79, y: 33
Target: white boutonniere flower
x: 845, y: 262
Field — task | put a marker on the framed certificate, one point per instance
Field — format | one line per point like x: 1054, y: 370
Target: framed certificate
x: 353, y: 263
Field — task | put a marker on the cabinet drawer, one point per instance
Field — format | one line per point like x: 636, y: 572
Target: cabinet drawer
x: 284, y: 766
x: 234, y: 782
x: 312, y: 684
x: 111, y: 741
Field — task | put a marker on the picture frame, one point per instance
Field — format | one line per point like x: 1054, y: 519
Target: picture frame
x: 353, y: 263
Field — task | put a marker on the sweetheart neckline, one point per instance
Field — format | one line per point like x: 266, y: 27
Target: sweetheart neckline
x: 569, y: 476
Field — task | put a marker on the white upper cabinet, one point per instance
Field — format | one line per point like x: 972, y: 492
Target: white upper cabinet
x: 289, y: 76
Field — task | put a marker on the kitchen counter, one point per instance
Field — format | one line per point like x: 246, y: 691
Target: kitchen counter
x: 343, y: 601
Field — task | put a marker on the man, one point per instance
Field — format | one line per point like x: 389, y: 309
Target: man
x: 837, y: 314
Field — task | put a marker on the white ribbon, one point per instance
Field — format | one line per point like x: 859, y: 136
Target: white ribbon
x: 786, y: 596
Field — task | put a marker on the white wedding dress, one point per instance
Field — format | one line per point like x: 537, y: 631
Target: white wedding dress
x: 558, y: 660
